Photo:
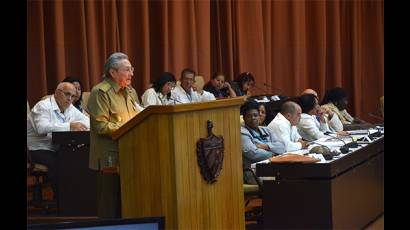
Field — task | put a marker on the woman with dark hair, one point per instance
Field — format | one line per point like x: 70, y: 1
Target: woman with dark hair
x: 78, y: 90
x: 258, y: 142
x: 219, y: 87
x: 160, y: 93
x: 309, y: 127
x: 336, y: 101
x: 243, y: 83
x: 262, y: 114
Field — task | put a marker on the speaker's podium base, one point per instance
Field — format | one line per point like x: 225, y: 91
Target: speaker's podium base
x: 159, y: 168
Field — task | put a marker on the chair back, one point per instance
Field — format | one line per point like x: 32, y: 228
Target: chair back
x: 46, y: 96
x: 199, y: 82
x: 84, y: 100
x: 252, y: 192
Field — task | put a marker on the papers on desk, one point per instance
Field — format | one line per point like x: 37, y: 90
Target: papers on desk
x: 358, y: 132
x: 330, y: 142
x: 380, y: 128
x: 365, y: 131
x: 264, y: 99
x: 318, y: 156
x: 275, y: 98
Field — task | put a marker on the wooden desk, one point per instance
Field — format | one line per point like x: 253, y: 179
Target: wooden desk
x: 346, y: 193
x: 76, y: 182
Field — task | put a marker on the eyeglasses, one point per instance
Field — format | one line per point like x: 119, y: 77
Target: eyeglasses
x: 68, y: 95
x: 128, y: 69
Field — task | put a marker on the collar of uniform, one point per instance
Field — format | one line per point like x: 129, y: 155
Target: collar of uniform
x: 113, y: 84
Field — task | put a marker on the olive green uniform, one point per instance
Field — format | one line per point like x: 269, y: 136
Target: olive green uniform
x: 109, y: 107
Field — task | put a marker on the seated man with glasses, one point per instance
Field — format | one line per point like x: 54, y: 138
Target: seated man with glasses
x: 160, y: 93
x: 53, y: 114
x: 187, y: 93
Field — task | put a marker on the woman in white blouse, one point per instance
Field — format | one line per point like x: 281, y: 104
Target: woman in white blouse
x: 160, y: 93
x: 311, y: 128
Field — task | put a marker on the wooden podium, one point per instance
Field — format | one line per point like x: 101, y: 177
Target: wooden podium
x: 159, y: 170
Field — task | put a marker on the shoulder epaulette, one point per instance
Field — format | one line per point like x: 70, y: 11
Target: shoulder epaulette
x: 105, y: 86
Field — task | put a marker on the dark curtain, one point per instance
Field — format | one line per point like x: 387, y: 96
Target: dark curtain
x: 287, y: 45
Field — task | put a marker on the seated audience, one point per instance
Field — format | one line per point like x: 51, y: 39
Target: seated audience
x: 186, y: 92
x: 333, y: 122
x: 160, y: 93
x: 336, y: 101
x: 53, y: 114
x: 243, y: 83
x: 283, y: 127
x: 258, y: 143
x: 219, y: 87
x: 79, y: 93
x: 309, y: 127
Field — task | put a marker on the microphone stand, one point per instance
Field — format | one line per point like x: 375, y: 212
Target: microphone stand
x: 345, y: 148
x: 175, y: 100
x: 331, y: 153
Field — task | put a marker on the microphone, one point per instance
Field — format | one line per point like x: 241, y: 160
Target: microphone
x: 345, y: 148
x: 352, y: 144
x: 324, y: 150
x: 175, y: 100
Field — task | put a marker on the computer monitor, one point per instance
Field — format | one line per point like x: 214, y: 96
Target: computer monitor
x: 148, y: 223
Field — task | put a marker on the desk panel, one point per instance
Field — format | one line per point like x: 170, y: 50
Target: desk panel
x: 343, y: 193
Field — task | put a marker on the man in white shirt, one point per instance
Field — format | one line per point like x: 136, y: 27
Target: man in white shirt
x: 284, y: 129
x: 55, y: 113
x: 187, y: 93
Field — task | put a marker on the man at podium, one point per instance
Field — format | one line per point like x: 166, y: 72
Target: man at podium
x: 112, y: 103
